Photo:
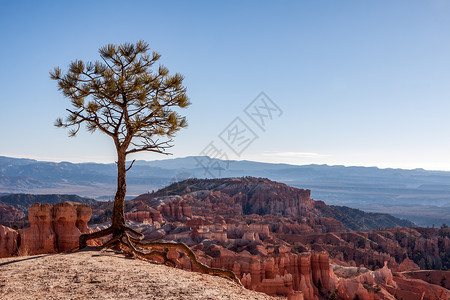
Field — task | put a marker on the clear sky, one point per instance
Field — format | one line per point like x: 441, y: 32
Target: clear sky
x: 358, y: 82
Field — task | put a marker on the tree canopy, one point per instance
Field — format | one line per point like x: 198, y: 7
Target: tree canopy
x: 123, y: 97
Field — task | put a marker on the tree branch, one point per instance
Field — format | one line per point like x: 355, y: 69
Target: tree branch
x: 130, y: 165
x: 83, y: 118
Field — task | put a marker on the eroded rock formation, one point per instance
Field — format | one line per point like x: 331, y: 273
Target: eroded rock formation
x: 9, y: 213
x: 275, y: 238
x: 8, y: 241
x: 402, y: 248
x: 255, y: 227
x: 54, y: 228
x: 39, y: 238
x: 172, y: 207
x: 283, y: 274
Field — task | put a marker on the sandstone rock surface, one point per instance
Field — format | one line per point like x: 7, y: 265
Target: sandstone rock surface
x: 54, y: 228
x: 8, y: 241
x: 39, y: 238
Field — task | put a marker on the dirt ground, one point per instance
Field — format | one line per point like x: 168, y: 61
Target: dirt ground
x: 93, y: 274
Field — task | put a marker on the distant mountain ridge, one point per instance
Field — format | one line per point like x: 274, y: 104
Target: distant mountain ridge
x: 418, y: 195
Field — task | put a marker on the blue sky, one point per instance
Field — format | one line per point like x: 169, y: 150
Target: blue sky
x: 358, y: 82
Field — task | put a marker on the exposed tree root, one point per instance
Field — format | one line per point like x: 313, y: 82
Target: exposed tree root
x: 121, y: 236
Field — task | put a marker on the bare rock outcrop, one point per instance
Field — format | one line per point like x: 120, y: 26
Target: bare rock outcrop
x: 69, y: 222
x: 416, y: 289
x: 173, y: 208
x: 437, y: 277
x: 237, y: 196
x: 176, y: 210
x: 406, y: 265
x: 283, y: 273
x: 10, y: 213
x: 8, y: 241
x: 39, y: 238
x: 145, y: 216
x: 54, y: 228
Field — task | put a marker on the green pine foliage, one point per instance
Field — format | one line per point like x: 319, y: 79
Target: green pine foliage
x: 126, y: 96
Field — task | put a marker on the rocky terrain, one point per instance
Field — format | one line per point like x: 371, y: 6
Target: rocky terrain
x: 418, y: 195
x: 275, y: 238
x: 247, y: 196
x: 9, y: 213
x: 402, y: 248
x: 97, y: 274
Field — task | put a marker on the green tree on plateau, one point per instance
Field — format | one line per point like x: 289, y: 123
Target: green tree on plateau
x: 128, y: 98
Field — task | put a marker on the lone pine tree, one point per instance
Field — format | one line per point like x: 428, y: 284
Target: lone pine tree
x: 128, y: 98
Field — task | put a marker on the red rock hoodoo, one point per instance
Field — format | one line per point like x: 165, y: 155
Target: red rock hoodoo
x: 54, y: 228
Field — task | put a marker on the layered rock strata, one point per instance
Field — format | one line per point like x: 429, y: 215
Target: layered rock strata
x: 54, y: 228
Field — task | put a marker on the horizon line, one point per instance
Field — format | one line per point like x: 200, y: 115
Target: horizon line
x: 41, y: 159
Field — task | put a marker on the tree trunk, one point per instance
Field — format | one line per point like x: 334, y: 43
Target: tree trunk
x: 118, y: 217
